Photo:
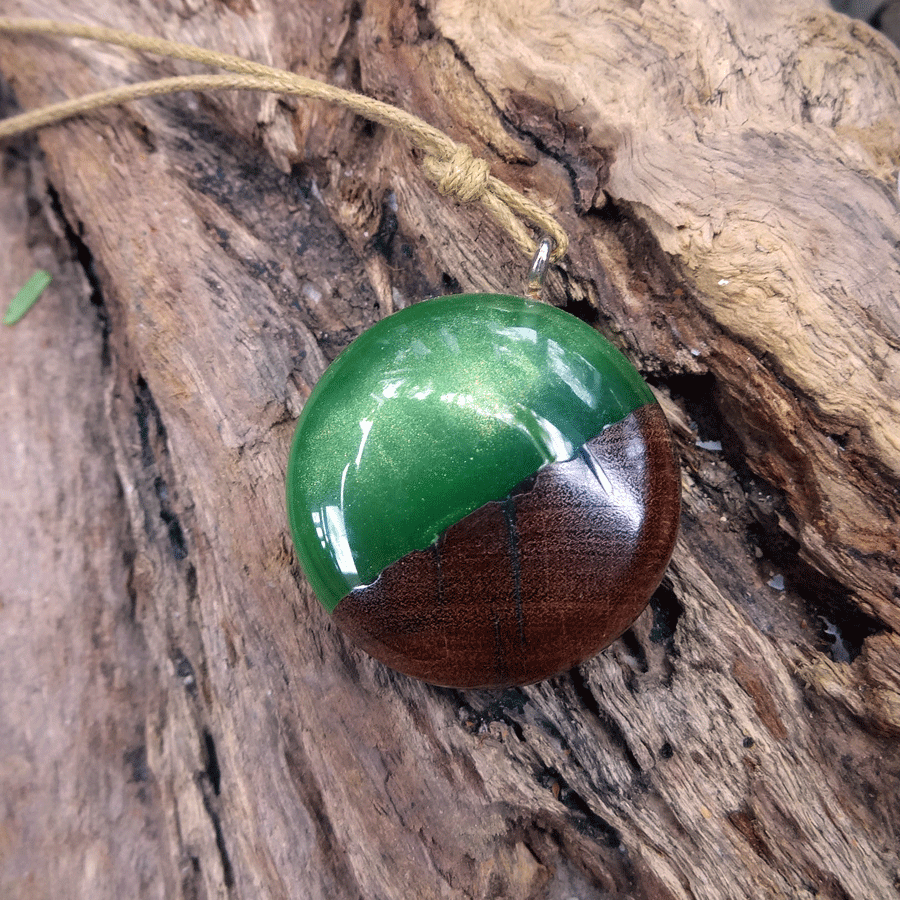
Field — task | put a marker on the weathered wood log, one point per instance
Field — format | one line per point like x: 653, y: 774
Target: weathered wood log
x: 180, y: 718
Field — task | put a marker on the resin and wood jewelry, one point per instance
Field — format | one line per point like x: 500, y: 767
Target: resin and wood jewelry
x: 482, y: 491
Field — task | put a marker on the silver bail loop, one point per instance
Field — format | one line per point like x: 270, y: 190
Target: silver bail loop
x: 534, y: 284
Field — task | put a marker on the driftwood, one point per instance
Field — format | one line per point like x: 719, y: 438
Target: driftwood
x: 180, y: 718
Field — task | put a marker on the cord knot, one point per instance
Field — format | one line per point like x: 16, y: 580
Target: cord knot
x: 460, y: 174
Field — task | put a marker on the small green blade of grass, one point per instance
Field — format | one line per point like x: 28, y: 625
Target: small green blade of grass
x: 25, y: 299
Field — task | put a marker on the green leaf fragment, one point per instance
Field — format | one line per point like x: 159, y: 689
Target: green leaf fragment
x: 25, y: 299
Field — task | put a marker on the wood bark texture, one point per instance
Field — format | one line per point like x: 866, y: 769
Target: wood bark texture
x: 179, y: 716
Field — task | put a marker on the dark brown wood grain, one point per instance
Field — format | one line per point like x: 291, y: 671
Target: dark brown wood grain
x: 530, y: 586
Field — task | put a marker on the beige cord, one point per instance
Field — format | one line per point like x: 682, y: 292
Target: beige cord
x: 451, y: 166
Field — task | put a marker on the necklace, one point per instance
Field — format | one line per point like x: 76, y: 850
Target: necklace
x: 481, y: 489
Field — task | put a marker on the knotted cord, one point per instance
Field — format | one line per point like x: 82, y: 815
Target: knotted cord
x: 450, y: 165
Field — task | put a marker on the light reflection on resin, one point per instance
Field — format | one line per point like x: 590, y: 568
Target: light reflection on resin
x: 432, y: 413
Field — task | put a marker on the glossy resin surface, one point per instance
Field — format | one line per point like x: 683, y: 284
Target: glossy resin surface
x: 432, y: 413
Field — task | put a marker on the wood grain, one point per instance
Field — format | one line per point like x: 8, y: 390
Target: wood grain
x: 180, y: 718
x: 527, y: 587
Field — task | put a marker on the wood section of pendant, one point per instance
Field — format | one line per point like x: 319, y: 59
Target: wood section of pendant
x: 529, y: 586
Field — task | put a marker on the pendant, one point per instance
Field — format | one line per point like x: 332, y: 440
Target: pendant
x: 482, y: 491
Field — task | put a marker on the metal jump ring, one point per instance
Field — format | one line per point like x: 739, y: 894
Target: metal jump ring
x: 534, y: 284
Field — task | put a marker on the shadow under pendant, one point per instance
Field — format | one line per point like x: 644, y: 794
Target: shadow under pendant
x: 482, y: 491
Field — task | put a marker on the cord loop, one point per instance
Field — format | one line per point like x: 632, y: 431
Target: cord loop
x: 451, y: 166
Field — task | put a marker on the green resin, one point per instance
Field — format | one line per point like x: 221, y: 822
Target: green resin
x: 433, y: 412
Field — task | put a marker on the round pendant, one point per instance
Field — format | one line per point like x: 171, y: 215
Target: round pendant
x: 482, y: 491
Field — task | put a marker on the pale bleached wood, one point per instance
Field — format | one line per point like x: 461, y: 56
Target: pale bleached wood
x: 194, y: 726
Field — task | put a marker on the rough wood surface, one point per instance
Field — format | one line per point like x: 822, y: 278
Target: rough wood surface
x: 179, y: 718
